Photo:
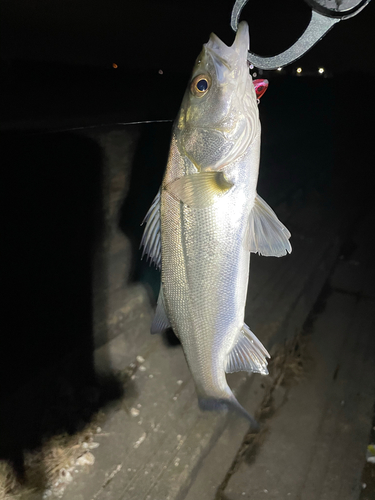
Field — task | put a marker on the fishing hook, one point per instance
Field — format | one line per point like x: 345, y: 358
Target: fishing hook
x: 323, y: 18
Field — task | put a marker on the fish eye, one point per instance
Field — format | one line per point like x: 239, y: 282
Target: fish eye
x: 200, y: 85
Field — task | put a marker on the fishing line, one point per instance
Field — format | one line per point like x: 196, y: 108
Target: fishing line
x: 86, y: 127
x: 112, y: 124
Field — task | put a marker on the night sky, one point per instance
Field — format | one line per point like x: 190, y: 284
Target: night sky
x: 168, y: 34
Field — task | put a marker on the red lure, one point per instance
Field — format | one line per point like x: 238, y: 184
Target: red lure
x: 261, y: 86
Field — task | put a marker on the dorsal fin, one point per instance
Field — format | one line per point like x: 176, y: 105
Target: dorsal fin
x: 151, y: 240
x: 248, y: 354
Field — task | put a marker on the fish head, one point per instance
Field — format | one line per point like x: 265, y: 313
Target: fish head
x: 218, y: 118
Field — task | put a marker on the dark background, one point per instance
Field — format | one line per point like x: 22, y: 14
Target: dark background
x: 57, y: 56
x: 166, y: 34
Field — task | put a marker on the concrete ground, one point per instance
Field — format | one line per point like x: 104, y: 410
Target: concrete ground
x: 314, y: 445
x: 315, y: 408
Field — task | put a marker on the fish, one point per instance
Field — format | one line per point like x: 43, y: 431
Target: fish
x: 207, y: 219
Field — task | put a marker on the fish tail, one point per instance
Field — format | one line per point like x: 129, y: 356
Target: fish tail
x: 207, y: 403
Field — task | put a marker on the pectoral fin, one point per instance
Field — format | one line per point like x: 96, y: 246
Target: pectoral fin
x: 266, y: 235
x: 248, y: 354
x: 199, y: 190
x: 160, y: 321
x: 151, y: 240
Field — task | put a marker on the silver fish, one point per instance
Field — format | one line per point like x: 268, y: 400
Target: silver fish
x: 207, y: 218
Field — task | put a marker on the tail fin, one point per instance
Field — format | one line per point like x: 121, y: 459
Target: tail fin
x: 225, y: 404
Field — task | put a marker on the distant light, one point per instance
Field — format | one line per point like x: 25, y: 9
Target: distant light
x: 114, y: 65
x: 251, y: 66
x: 254, y: 74
x: 160, y: 71
x: 279, y: 69
x: 299, y: 70
x: 321, y: 70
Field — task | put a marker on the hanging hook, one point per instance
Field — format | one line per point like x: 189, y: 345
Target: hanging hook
x: 323, y: 18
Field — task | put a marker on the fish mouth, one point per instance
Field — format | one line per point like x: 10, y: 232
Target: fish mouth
x: 217, y: 59
x: 229, y: 55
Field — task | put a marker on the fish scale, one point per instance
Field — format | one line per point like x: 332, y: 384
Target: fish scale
x: 204, y: 286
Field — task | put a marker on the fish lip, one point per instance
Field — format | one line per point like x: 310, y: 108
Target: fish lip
x: 224, y: 52
x: 242, y: 36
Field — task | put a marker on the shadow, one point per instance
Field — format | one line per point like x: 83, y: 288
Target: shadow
x: 148, y: 167
x: 170, y: 339
x: 53, y: 223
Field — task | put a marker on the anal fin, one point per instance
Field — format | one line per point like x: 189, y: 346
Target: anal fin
x: 248, y: 354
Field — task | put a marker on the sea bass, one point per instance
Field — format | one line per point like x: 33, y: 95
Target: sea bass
x: 207, y: 218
